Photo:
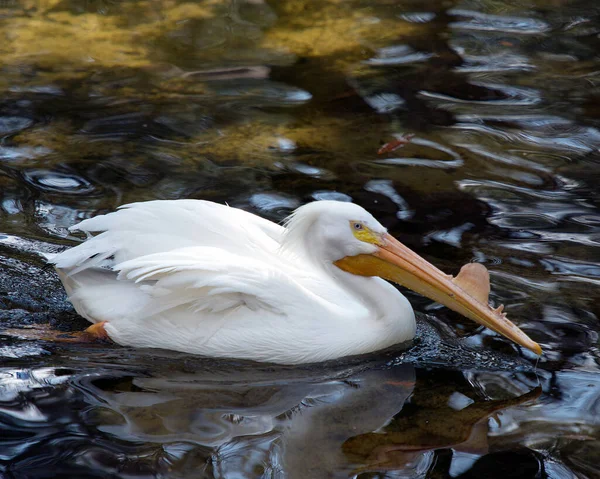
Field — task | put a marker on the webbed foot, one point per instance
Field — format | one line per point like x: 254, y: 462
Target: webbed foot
x: 96, y: 332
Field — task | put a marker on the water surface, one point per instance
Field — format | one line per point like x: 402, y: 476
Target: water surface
x: 269, y: 105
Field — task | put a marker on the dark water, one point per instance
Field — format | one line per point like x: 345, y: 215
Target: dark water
x: 268, y: 105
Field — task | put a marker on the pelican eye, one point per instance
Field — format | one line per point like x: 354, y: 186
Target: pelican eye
x: 363, y: 233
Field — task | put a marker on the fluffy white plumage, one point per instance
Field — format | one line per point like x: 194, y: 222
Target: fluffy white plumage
x: 203, y: 278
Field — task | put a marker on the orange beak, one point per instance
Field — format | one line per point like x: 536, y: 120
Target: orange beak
x: 466, y: 294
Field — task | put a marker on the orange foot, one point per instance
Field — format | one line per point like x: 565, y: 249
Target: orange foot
x: 44, y: 332
x: 96, y: 332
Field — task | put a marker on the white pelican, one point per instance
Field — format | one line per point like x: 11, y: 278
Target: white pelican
x: 203, y: 278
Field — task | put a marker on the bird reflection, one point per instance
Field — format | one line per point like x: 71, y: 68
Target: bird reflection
x: 445, y: 413
x: 319, y: 422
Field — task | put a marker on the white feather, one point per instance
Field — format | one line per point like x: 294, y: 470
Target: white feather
x: 140, y: 229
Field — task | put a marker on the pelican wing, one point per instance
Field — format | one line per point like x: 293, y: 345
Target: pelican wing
x: 140, y: 229
x: 211, y: 280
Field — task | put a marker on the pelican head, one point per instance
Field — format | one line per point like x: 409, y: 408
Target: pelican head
x: 331, y: 230
x: 350, y: 238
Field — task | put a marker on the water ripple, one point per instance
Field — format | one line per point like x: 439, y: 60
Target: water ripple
x: 547, y: 132
x: 276, y: 93
x: 12, y: 124
x: 274, y: 203
x: 505, y: 95
x: 386, y: 188
x: 15, y: 154
x: 397, y: 55
x: 418, y: 17
x: 500, y: 62
x: 574, y: 270
x: 330, y: 195
x: 54, y: 181
x: 504, y: 158
x: 454, y: 160
x: 497, y: 23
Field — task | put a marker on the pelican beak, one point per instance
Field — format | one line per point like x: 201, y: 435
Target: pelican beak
x: 466, y: 294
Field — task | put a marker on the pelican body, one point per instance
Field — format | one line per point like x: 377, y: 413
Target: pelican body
x: 203, y: 278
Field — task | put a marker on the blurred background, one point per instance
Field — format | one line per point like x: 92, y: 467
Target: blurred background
x: 468, y: 127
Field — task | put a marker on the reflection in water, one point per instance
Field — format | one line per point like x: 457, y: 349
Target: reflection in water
x: 241, y: 421
x: 268, y: 105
